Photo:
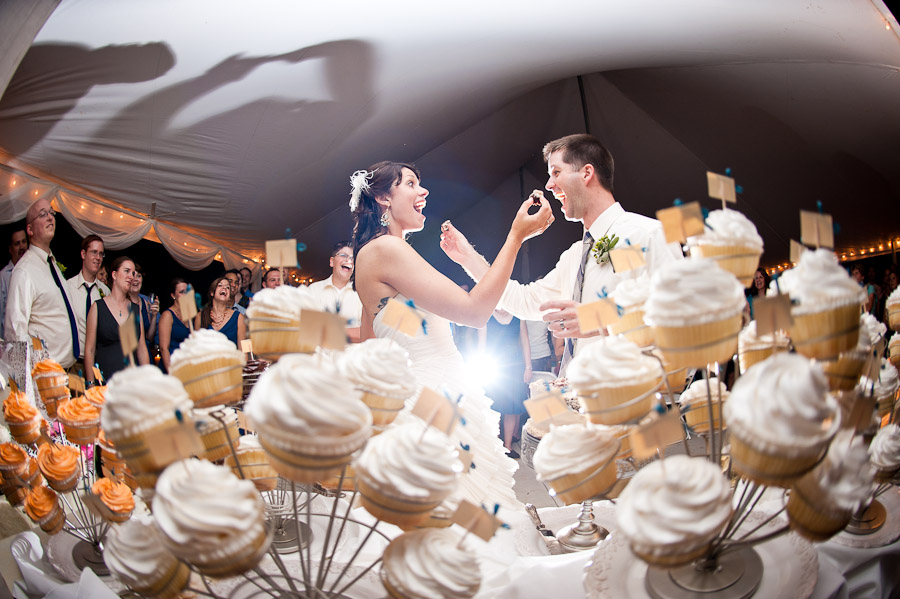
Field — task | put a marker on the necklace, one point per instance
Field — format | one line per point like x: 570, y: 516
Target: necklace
x: 217, y: 320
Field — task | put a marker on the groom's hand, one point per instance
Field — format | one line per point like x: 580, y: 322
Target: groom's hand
x: 563, y: 320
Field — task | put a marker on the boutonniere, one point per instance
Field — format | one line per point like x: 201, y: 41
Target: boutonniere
x: 602, y: 247
x: 61, y: 267
x: 102, y: 295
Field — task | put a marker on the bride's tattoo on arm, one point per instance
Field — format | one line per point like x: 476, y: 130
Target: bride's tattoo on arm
x: 382, y: 304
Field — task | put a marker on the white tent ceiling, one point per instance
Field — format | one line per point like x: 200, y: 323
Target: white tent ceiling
x: 240, y: 120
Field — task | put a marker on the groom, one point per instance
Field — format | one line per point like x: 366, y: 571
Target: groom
x: 580, y: 170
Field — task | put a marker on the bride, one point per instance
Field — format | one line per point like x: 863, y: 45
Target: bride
x: 388, y: 202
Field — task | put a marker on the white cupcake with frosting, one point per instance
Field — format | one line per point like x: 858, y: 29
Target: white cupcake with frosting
x: 274, y: 320
x: 210, y: 366
x: 695, y: 403
x: 892, y: 309
x: 884, y: 452
x: 884, y: 389
x: 135, y: 555
x: 631, y: 294
x: 695, y: 310
x: 614, y: 380
x: 781, y: 419
x: 577, y: 461
x: 754, y: 348
x: 672, y: 510
x: 823, y: 500
x: 380, y: 370
x: 825, y: 305
x: 309, y: 418
x: 405, y: 472
x: 210, y: 518
x: 732, y: 241
x: 429, y: 563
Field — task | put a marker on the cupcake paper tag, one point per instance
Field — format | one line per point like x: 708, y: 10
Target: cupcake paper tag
x: 76, y: 383
x: 175, y: 443
x: 681, y: 222
x: 187, y: 306
x: 721, y: 187
x: 401, y: 318
x: 322, y: 329
x: 657, y: 435
x: 626, y: 258
x: 861, y: 413
x: 281, y: 252
x: 773, y: 313
x: 797, y: 250
x: 545, y: 406
x: 37, y: 344
x: 243, y: 421
x: 127, y: 337
x: 594, y: 316
x: 476, y: 520
x: 436, y: 410
x: 816, y: 229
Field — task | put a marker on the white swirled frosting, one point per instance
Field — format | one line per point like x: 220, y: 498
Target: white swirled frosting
x: 137, y: 399
x: 573, y: 448
x: 887, y: 383
x: 884, y: 450
x: 692, y: 292
x: 135, y: 554
x: 818, y: 283
x: 632, y: 293
x: 403, y: 461
x: 303, y: 395
x: 729, y: 227
x: 204, y: 345
x: 845, y: 475
x: 682, y: 501
x: 697, y: 391
x: 428, y: 563
x: 203, y: 509
x: 749, y: 339
x: 782, y: 403
x: 894, y: 298
x: 284, y: 301
x: 379, y: 366
x: 611, y: 362
x: 871, y: 331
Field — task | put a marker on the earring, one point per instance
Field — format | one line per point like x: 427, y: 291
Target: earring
x: 385, y: 219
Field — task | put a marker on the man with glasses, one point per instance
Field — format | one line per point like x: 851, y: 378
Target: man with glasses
x: 18, y: 245
x: 335, y: 294
x: 85, y: 288
x: 38, y: 304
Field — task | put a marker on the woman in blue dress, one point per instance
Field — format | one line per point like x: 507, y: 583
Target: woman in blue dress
x: 172, y: 327
x: 218, y: 316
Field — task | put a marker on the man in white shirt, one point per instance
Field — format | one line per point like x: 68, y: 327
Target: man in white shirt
x: 18, y: 245
x: 85, y: 288
x: 336, y: 294
x: 580, y: 173
x: 272, y: 278
x: 38, y: 304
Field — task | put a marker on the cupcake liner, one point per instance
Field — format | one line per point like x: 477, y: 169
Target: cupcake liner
x: 255, y: 467
x: 810, y: 514
x: 304, y: 467
x: 384, y: 408
x: 749, y: 357
x: 405, y: 512
x: 81, y: 432
x: 825, y: 334
x: 135, y: 448
x: 843, y: 373
x: 670, y: 556
x: 616, y: 405
x: 51, y: 382
x: 348, y: 485
x: 15, y: 495
x: 52, y: 400
x: 633, y: 328
x: 109, y: 514
x: 212, y: 383
x: 27, y: 432
x: 893, y: 317
x: 168, y: 584
x: 884, y: 405
x: 53, y: 522
x: 320, y: 445
x: 64, y: 485
x: 770, y: 468
x: 740, y: 260
x: 231, y: 559
x: 590, y: 482
x: 846, y: 402
x: 696, y: 346
x: 217, y: 442
x: 696, y: 414
x: 273, y: 336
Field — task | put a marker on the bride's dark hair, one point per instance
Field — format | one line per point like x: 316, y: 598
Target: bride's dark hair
x: 375, y: 182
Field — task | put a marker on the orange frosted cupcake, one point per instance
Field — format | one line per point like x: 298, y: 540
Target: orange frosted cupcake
x: 14, y: 492
x: 42, y: 506
x: 80, y: 420
x: 96, y: 395
x: 59, y: 465
x: 116, y: 502
x: 12, y: 459
x: 22, y: 418
x: 51, y: 381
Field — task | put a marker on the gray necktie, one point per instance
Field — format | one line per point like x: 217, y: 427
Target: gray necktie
x: 587, y: 244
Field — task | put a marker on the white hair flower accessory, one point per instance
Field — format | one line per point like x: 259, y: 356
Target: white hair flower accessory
x: 359, y: 183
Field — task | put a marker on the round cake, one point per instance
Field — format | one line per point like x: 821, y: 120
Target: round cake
x: 210, y: 366
x: 210, y: 518
x: 405, y: 472
x: 135, y: 554
x: 781, y: 419
x: 695, y: 310
x: 614, y: 380
x: 732, y: 241
x: 672, y: 510
x: 577, y: 461
x: 309, y: 418
x: 426, y: 564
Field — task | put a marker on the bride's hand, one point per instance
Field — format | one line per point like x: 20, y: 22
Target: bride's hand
x: 455, y: 244
x: 525, y: 226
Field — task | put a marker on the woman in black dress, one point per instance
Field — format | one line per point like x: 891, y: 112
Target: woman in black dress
x: 102, y: 345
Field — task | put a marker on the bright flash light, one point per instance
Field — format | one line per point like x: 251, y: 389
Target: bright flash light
x: 482, y: 368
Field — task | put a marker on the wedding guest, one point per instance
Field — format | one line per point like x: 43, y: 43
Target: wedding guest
x: 84, y: 288
x: 336, y: 294
x: 149, y: 308
x: 219, y: 316
x: 103, y: 275
x: 173, y: 329
x: 18, y: 245
x: 246, y: 280
x: 272, y: 278
x: 236, y: 299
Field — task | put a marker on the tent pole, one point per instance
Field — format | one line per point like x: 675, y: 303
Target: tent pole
x: 584, y: 109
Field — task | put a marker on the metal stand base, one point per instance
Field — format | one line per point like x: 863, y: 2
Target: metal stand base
x: 868, y: 521
x: 736, y: 575
x: 584, y: 534
x: 285, y: 538
x: 88, y: 555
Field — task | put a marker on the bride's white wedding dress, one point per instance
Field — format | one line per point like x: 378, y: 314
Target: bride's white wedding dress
x: 437, y: 364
